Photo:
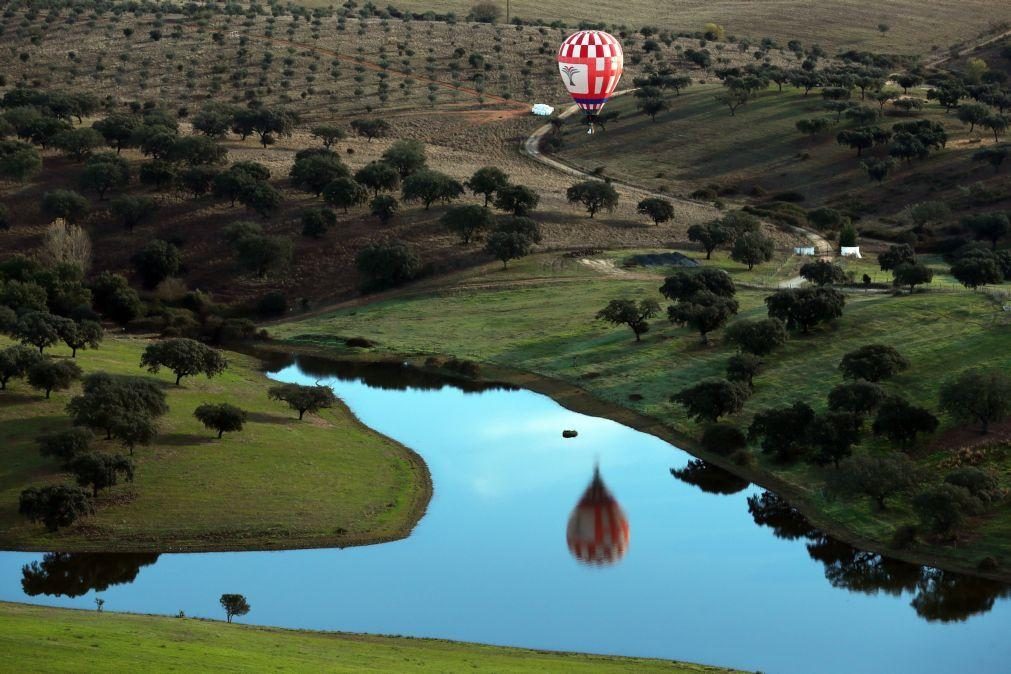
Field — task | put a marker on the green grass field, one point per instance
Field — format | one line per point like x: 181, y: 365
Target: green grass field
x: 280, y: 483
x: 913, y: 27
x: 548, y: 328
x: 40, y: 639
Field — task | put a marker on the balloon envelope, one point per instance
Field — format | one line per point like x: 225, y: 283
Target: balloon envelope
x: 598, y: 530
x: 590, y: 63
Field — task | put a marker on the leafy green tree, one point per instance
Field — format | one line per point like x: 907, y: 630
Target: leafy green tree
x: 313, y: 173
x: 18, y: 161
x: 991, y: 227
x: 328, y: 134
x: 156, y: 261
x: 974, y: 271
x: 160, y: 175
x: 132, y: 211
x: 198, y: 180
x: 711, y: 399
x: 344, y: 193
x: 213, y: 120
x: 387, y: 263
x: 65, y: 204
x: 78, y: 144
x: 752, y: 249
x: 53, y: 375
x: 972, y: 114
x: 466, y: 221
x: 486, y: 181
x: 656, y: 209
x: 106, y: 399
x: 184, y: 357
x: 997, y: 124
x: 516, y: 199
x: 261, y: 198
x: 805, y: 308
x: 370, y: 128
x: 723, y: 439
x: 196, y: 151
x: 407, y: 156
x: 813, y: 126
x: 912, y: 275
x: 994, y: 156
x: 81, y: 335
x: 652, y: 106
x: 733, y: 99
x: 316, y: 221
x: 877, y: 169
x: 857, y: 139
x: 134, y: 428
x: 743, y: 367
x: 900, y: 421
x: 118, y: 129
x: 428, y: 186
x: 304, y: 399
x: 826, y: 218
x: 593, y: 195
x: 221, y: 417
x: 115, y: 299
x: 65, y: 445
x: 101, y: 471
x: 907, y: 81
x: 982, y: 484
x: 822, y: 273
x: 858, y: 397
x: 758, y: 336
x: 981, y: 396
x: 15, y: 361
x: 39, y: 328
x: 103, y: 172
x: 873, y: 362
x: 235, y: 604
x: 704, y: 312
x: 895, y: 256
x: 943, y: 508
x: 55, y: 505
x: 378, y: 176
x: 848, y: 235
x: 263, y: 254
x: 384, y: 207
x: 627, y: 312
x: 878, y: 477
x: 833, y: 435
x: 710, y: 236
x: 505, y: 246
x: 268, y: 123
x: 682, y: 285
x: 783, y: 431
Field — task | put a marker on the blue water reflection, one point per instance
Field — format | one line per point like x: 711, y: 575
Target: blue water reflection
x: 489, y: 563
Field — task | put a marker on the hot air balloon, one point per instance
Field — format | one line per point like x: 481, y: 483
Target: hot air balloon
x: 590, y: 63
x: 598, y: 530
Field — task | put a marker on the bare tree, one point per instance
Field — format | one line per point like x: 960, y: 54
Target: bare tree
x: 67, y: 243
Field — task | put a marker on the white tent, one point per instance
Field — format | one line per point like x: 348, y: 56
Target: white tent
x: 803, y: 250
x: 850, y: 251
x: 542, y: 110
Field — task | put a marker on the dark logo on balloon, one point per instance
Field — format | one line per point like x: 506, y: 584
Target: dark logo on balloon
x: 570, y: 72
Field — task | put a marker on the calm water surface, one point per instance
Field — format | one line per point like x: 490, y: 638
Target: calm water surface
x: 489, y: 562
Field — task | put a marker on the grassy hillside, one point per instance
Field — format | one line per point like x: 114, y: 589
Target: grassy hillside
x: 279, y: 483
x: 913, y: 27
x: 546, y: 326
x: 59, y: 640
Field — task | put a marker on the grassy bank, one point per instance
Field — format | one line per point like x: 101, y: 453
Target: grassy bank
x: 546, y: 327
x: 280, y: 483
x: 43, y: 639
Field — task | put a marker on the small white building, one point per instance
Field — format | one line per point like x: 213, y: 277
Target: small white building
x: 542, y: 110
x: 803, y: 250
x: 850, y: 251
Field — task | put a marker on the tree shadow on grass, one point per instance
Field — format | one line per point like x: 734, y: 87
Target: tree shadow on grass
x: 186, y: 439
x: 265, y: 418
x: 10, y: 398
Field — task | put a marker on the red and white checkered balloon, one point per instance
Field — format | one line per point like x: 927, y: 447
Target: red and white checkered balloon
x: 598, y: 531
x: 590, y: 63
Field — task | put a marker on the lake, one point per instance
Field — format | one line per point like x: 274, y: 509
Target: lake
x: 709, y: 576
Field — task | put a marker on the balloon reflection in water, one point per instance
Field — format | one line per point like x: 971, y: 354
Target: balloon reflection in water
x: 598, y: 530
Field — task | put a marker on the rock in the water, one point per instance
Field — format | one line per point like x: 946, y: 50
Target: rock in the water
x: 569, y: 434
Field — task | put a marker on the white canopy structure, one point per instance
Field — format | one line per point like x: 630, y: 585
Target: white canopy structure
x: 803, y: 250
x: 542, y: 110
x: 850, y: 251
